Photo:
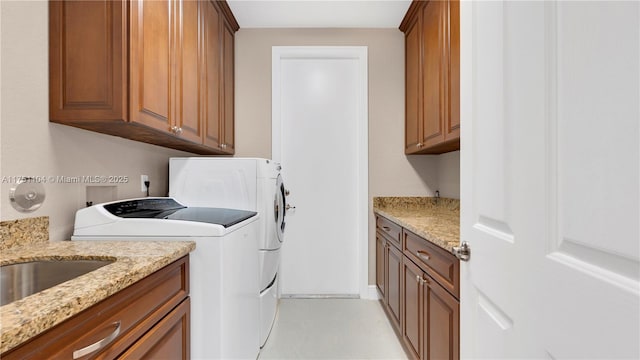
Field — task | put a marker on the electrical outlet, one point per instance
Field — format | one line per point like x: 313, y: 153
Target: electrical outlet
x: 143, y: 178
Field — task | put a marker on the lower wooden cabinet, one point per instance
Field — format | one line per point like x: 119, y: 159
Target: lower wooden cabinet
x: 169, y: 339
x: 389, y: 277
x: 440, y: 321
x: 421, y: 303
x: 432, y: 316
x: 380, y: 265
x: 149, y: 319
x: 412, y: 331
x: 393, y: 271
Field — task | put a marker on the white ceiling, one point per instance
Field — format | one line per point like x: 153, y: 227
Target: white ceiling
x: 319, y: 13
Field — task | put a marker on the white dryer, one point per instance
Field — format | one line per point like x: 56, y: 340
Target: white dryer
x: 251, y: 184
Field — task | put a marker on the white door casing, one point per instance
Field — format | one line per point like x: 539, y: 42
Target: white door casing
x: 550, y: 186
x: 319, y: 135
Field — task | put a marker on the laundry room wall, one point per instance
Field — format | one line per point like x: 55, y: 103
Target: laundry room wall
x: 391, y: 173
x: 32, y: 146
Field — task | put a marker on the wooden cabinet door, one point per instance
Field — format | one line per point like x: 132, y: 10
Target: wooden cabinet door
x: 187, y: 48
x: 412, y: 327
x: 228, y: 144
x: 433, y: 73
x: 169, y: 339
x: 393, y: 260
x: 452, y: 123
x: 413, y: 88
x: 151, y: 60
x: 441, y: 322
x: 432, y: 79
x: 211, y: 90
x: 87, y: 60
x: 380, y: 264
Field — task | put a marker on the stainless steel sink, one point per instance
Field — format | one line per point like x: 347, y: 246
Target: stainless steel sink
x: 23, y: 279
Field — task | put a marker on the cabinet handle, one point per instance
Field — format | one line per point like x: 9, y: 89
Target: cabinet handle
x: 386, y: 228
x: 423, y: 255
x: 176, y: 130
x: 418, y: 278
x: 425, y: 281
x: 224, y: 146
x: 420, y: 145
x: 98, y: 345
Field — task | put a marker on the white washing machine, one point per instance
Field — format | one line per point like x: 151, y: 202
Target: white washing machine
x: 223, y: 268
x: 251, y: 184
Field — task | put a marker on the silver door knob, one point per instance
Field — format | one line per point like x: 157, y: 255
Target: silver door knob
x: 462, y: 252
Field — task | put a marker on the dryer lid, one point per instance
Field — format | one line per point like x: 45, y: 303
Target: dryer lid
x: 169, y: 209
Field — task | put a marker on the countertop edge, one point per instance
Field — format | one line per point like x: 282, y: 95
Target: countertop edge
x: 446, y: 245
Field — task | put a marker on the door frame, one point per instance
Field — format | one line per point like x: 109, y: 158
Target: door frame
x: 358, y: 53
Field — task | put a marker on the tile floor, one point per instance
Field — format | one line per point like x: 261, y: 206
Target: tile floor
x: 332, y: 329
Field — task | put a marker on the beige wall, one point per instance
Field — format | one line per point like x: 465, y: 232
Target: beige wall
x: 32, y: 146
x: 391, y: 173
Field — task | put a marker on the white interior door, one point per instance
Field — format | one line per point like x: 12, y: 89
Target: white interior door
x: 550, y: 186
x: 320, y: 138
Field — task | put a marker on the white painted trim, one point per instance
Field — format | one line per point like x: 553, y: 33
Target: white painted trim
x: 467, y: 307
x: 373, y: 293
x: 338, y: 52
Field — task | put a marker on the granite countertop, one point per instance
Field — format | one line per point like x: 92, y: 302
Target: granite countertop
x: 437, y: 220
x: 134, y: 260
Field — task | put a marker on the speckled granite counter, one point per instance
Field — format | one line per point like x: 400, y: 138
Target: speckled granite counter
x: 25, y: 318
x: 23, y: 232
x: 435, y: 220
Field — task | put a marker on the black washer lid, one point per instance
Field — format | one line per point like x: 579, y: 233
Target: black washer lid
x: 224, y: 217
x: 168, y: 208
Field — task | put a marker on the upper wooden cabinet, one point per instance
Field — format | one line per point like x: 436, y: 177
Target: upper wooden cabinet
x: 227, y: 123
x: 88, y: 52
x: 152, y: 34
x: 211, y: 75
x: 160, y: 72
x: 432, y: 66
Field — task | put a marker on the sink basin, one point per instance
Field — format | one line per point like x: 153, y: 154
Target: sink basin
x: 23, y: 279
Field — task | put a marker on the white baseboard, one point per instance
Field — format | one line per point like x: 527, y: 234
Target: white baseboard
x: 372, y: 293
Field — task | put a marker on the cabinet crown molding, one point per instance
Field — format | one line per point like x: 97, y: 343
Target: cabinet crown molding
x: 412, y: 12
x: 228, y: 14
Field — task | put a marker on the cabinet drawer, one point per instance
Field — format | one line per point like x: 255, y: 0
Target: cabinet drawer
x: 443, y: 266
x: 391, y: 230
x: 170, y: 337
x: 123, y: 318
